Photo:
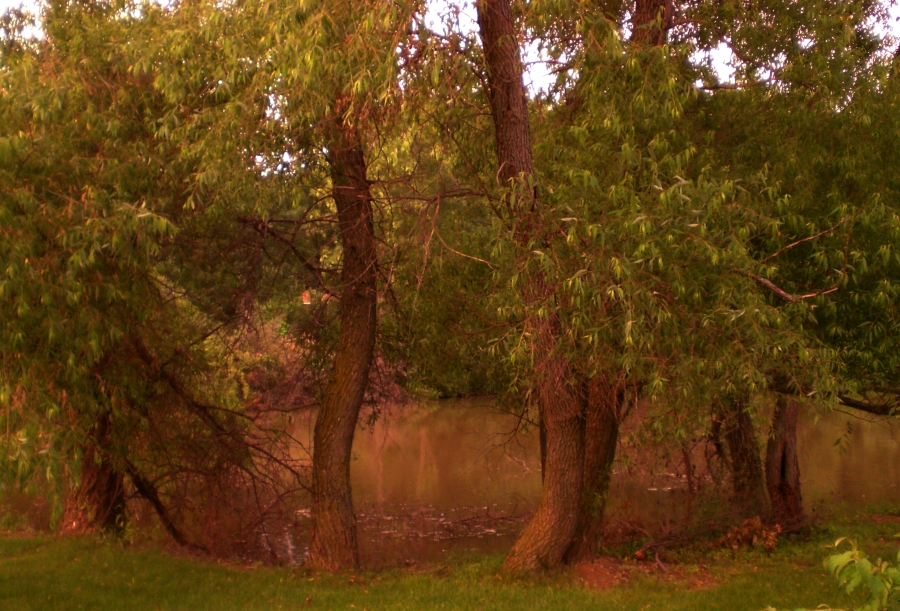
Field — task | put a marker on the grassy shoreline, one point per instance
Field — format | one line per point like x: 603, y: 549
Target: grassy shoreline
x: 48, y: 573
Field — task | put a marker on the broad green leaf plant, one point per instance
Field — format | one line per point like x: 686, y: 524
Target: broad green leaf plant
x: 878, y: 581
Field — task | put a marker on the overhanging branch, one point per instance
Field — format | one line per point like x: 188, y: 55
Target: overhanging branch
x: 878, y: 408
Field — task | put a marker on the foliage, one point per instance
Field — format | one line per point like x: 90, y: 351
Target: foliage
x: 879, y: 580
x: 81, y: 236
x: 100, y: 316
x: 854, y: 572
x: 165, y: 207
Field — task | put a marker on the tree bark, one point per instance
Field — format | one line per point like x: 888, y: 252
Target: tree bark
x: 604, y: 403
x: 650, y: 21
x: 98, y: 503
x: 542, y: 439
x: 782, y: 464
x: 547, y: 536
x: 545, y: 539
x: 334, y: 544
x: 509, y: 102
x: 746, y: 466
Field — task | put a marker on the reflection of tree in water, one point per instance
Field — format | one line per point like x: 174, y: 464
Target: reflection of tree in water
x: 428, y: 465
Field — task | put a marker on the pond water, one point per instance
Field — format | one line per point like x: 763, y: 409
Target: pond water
x: 460, y: 476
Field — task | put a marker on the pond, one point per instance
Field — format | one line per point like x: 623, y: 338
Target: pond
x: 461, y: 476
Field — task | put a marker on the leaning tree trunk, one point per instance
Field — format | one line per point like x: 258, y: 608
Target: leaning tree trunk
x: 334, y: 542
x: 604, y: 402
x: 98, y: 502
x: 746, y: 466
x: 545, y: 539
x: 782, y: 464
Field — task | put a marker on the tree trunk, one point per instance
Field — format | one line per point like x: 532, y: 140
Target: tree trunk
x: 509, y: 103
x: 604, y: 402
x: 782, y: 465
x: 545, y: 539
x: 746, y: 466
x: 334, y: 544
x: 98, y: 503
x: 650, y: 21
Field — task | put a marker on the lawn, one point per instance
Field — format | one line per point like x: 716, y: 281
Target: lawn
x: 47, y: 573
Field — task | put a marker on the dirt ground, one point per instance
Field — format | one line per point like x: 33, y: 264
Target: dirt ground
x: 605, y: 573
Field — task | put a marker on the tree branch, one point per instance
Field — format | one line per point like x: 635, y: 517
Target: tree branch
x: 808, y: 239
x: 148, y: 491
x: 780, y: 292
x: 887, y: 408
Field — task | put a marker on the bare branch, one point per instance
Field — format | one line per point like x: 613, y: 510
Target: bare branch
x: 808, y: 239
x: 780, y: 292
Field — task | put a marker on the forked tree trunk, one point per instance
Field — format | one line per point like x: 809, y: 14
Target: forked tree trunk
x: 604, y: 409
x: 782, y: 464
x: 334, y: 544
x: 545, y: 539
x: 746, y: 466
x: 98, y: 502
x: 604, y: 397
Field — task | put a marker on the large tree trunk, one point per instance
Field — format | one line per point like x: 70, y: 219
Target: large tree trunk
x: 546, y: 537
x: 746, y: 466
x: 604, y: 404
x: 334, y: 544
x: 782, y: 465
x: 98, y: 502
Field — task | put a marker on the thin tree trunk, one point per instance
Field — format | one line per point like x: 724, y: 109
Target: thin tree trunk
x: 509, y: 103
x: 604, y: 403
x: 98, y: 503
x: 746, y: 466
x: 334, y: 544
x: 545, y: 539
x: 147, y: 490
x: 782, y: 464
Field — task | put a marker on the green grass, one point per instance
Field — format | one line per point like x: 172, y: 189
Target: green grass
x: 49, y: 573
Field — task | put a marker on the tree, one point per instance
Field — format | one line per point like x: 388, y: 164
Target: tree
x: 547, y: 535
x: 115, y: 379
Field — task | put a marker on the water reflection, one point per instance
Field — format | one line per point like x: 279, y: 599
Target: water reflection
x: 450, y: 476
x: 447, y: 454
x: 849, y: 462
